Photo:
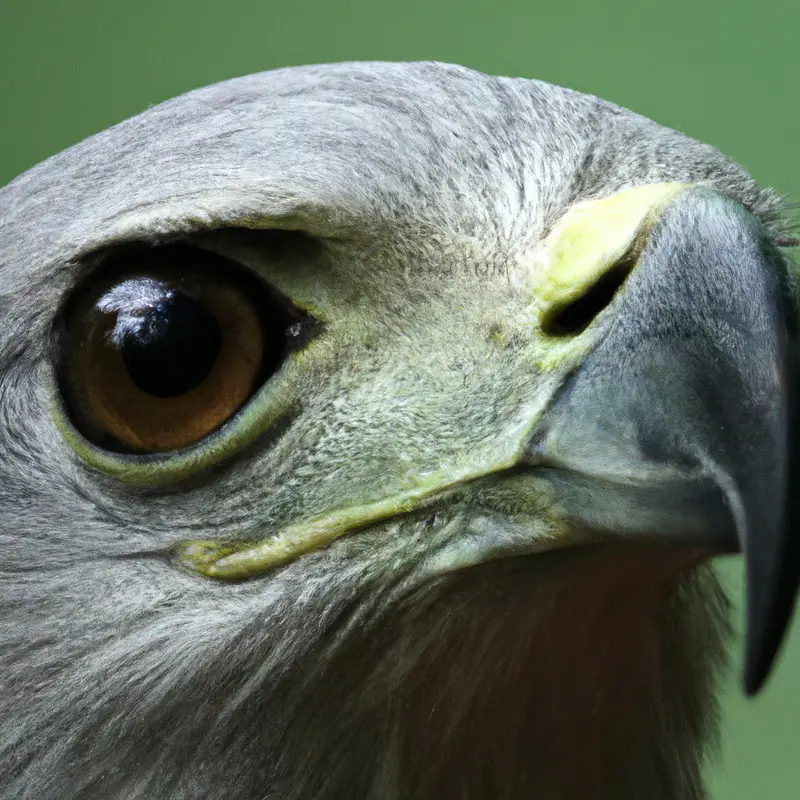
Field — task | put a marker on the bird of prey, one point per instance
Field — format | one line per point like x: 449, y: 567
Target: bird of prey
x: 366, y: 431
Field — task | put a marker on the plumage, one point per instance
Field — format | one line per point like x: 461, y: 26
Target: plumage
x: 426, y: 655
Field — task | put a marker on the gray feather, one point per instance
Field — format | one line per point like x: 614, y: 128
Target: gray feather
x: 354, y: 671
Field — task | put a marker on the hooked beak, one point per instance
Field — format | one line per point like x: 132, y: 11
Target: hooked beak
x: 683, y: 422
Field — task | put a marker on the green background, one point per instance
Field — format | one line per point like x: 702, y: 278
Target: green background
x: 723, y: 72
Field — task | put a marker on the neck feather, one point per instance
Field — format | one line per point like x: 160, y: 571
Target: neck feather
x: 581, y: 674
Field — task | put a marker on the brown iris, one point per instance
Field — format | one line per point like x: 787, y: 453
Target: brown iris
x: 166, y: 345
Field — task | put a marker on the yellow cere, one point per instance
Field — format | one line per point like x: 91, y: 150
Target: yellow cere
x: 590, y: 239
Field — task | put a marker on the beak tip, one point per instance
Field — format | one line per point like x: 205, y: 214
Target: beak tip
x: 753, y: 680
x: 767, y: 628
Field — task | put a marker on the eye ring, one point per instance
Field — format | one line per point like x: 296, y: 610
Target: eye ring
x: 128, y: 320
x: 271, y: 403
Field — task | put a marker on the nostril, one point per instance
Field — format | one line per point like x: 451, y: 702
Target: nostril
x: 576, y: 316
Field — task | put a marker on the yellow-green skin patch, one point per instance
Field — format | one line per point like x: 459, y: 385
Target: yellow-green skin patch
x: 219, y: 560
x: 590, y: 239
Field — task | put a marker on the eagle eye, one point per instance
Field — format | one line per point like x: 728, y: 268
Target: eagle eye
x: 162, y: 345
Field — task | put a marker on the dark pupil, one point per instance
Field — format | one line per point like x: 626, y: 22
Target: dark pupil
x: 174, y: 347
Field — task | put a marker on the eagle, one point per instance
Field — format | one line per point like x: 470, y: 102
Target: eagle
x: 367, y: 432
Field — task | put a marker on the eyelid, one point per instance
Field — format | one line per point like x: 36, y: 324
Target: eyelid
x: 264, y: 410
x: 294, y: 263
